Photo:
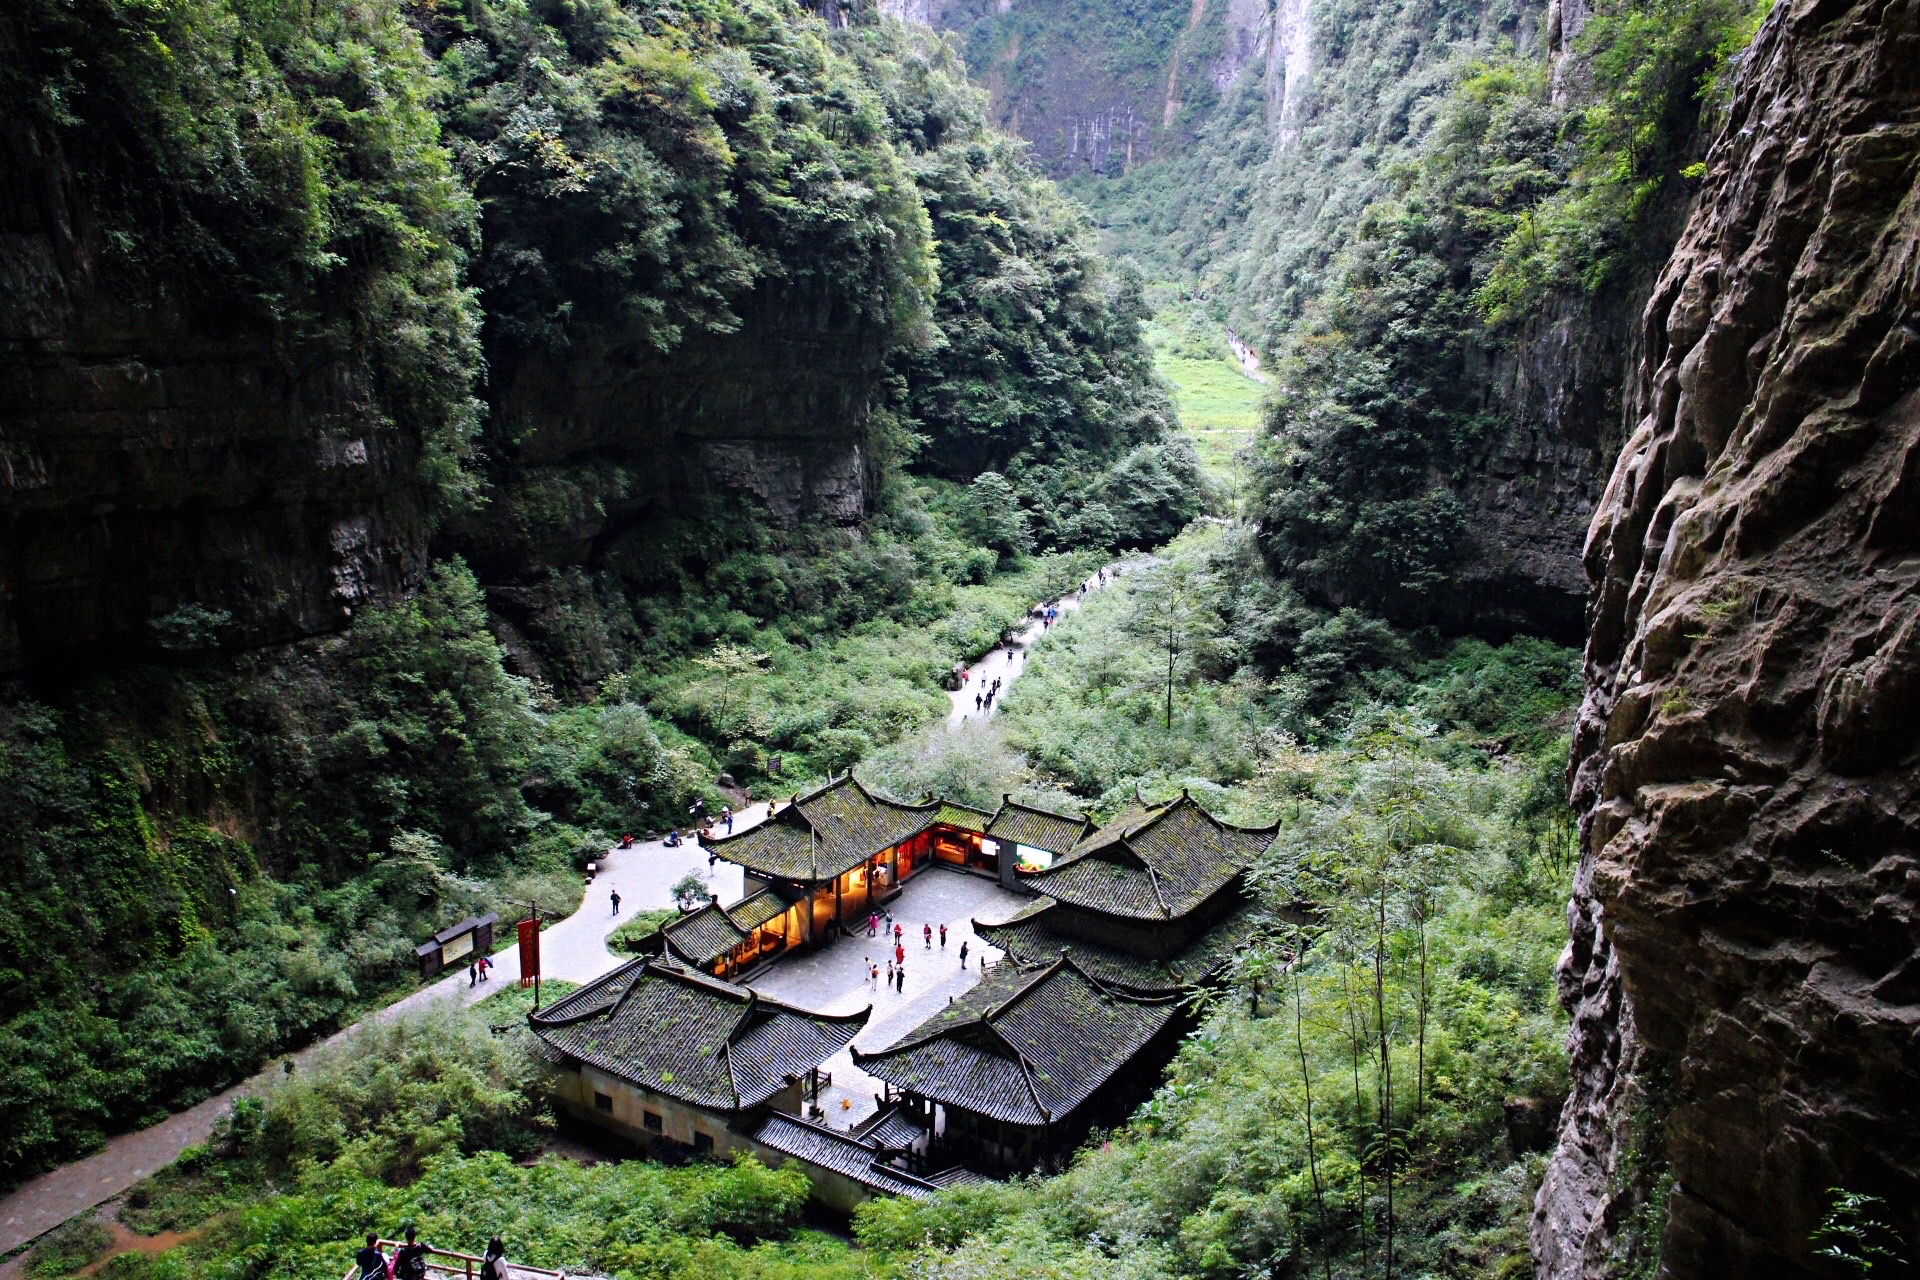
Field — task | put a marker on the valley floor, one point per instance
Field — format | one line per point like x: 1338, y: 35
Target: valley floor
x: 572, y: 950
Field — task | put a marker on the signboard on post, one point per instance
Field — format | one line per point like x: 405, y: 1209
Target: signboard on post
x: 450, y: 946
x: 529, y: 951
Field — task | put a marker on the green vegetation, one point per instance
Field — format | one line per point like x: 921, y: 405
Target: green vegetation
x: 422, y: 1121
x: 67, y: 1249
x: 216, y: 858
x: 279, y: 164
x: 1342, y: 1096
x: 1430, y: 194
x: 184, y: 922
x: 626, y: 939
x: 1035, y: 367
x: 1658, y: 72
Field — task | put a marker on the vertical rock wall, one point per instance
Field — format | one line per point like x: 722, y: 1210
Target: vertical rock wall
x: 172, y: 475
x: 1744, y: 970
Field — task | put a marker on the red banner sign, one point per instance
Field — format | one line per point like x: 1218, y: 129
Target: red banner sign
x: 529, y: 951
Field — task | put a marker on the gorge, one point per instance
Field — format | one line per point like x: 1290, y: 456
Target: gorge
x: 449, y: 435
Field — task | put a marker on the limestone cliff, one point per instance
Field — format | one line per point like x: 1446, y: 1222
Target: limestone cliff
x: 1743, y: 973
x: 172, y: 474
x: 1096, y: 90
x: 596, y: 449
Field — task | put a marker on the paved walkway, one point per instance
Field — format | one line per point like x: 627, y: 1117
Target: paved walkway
x: 1006, y: 662
x: 575, y: 949
x: 834, y: 979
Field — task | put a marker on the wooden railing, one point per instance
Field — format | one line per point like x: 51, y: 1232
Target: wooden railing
x: 465, y: 1265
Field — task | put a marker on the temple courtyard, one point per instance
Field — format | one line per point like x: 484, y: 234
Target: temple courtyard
x: 834, y: 978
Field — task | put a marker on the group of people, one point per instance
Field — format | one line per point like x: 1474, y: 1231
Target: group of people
x: 897, y: 962
x: 985, y: 697
x: 477, y: 970
x: 696, y: 830
x: 408, y: 1261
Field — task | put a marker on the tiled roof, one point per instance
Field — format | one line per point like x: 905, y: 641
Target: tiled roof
x: 894, y: 1130
x: 840, y: 1152
x: 1157, y: 863
x: 1039, y: 828
x: 825, y: 832
x: 703, y: 936
x: 1030, y: 938
x: 689, y: 1036
x: 1024, y: 1046
x: 964, y: 816
x: 756, y: 909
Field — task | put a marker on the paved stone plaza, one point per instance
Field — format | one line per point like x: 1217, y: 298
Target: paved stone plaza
x: 833, y: 979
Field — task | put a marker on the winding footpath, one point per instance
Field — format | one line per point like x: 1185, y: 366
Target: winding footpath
x: 573, y: 949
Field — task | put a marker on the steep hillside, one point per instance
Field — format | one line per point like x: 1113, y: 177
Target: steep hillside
x: 1742, y: 966
x: 1435, y: 218
x: 408, y: 391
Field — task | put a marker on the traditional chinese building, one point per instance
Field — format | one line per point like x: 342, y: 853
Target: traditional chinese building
x: 1152, y: 902
x: 1019, y: 1068
x: 726, y: 941
x: 833, y: 854
x: 1069, y: 1031
x: 830, y: 856
x: 1029, y: 839
x: 652, y: 1051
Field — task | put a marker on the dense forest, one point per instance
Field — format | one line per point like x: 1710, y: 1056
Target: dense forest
x: 235, y: 845
x: 453, y: 434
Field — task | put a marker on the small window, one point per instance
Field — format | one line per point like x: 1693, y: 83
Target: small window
x: 601, y: 1102
x: 702, y: 1141
x: 651, y: 1119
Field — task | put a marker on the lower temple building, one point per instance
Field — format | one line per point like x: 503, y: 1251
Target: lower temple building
x: 653, y: 1051
x: 1017, y: 1070
x: 1069, y: 1031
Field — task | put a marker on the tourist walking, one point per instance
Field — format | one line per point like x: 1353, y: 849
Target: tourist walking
x: 410, y: 1259
x: 899, y: 953
x: 963, y: 955
x: 900, y: 979
x: 898, y: 932
x: 473, y: 972
x: 873, y: 975
x: 943, y: 937
x: 493, y: 1263
x: 926, y: 935
x: 614, y: 897
x: 889, y: 970
x: 873, y: 924
x: 726, y: 815
x: 485, y: 965
x: 372, y: 1262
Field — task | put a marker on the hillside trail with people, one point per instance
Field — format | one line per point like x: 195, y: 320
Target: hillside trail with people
x: 1003, y: 664
x: 573, y: 949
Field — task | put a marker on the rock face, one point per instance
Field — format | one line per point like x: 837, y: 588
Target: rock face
x: 1106, y: 98
x: 1744, y: 970
x: 171, y: 476
x: 1531, y: 489
x: 175, y: 478
x: 608, y: 432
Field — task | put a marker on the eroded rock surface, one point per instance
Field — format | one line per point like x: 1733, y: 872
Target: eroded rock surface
x: 1743, y: 971
x: 172, y: 475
